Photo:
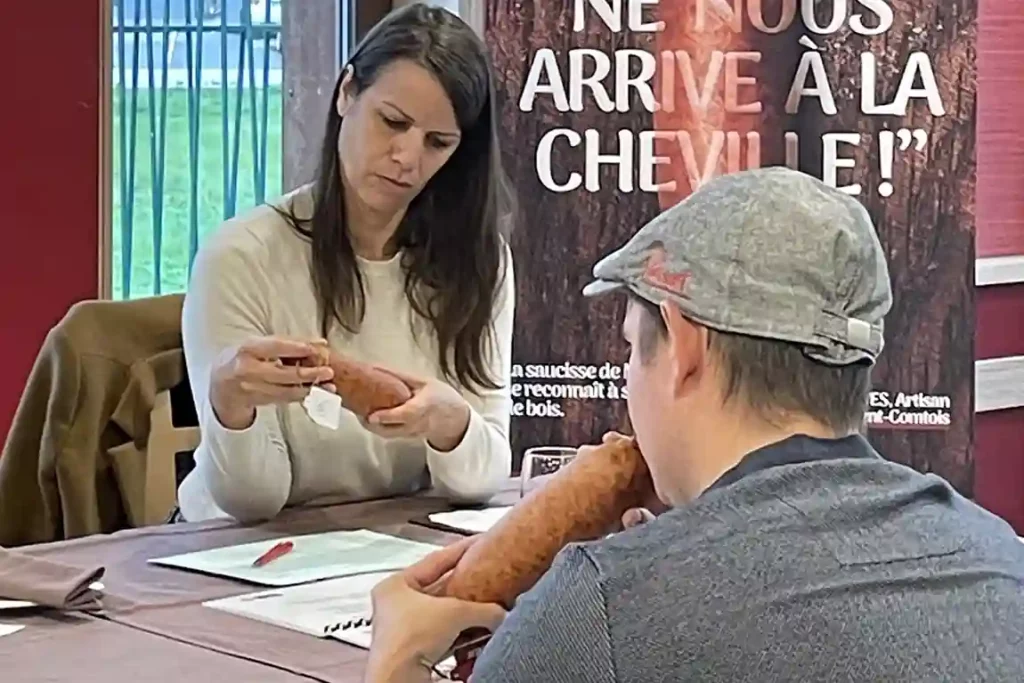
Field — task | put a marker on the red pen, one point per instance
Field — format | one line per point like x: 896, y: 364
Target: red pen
x: 279, y: 550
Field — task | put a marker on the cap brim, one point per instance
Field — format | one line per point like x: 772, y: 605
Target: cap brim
x: 599, y: 287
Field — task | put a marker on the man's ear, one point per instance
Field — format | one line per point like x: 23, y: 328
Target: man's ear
x: 346, y: 95
x: 687, y: 347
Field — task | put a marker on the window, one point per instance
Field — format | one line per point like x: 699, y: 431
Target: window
x: 200, y: 124
x: 215, y: 110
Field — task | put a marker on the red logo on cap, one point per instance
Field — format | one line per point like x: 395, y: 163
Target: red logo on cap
x: 656, y: 275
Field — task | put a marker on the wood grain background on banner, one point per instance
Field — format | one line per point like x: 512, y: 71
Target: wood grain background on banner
x: 926, y: 225
x: 559, y: 236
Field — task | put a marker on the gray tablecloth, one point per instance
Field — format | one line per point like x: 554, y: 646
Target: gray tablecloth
x: 82, y: 649
x: 154, y: 628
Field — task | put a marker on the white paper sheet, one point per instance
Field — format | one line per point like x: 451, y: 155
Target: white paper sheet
x: 318, y: 609
x: 474, y: 521
x: 314, y: 557
x: 340, y: 609
x: 8, y: 629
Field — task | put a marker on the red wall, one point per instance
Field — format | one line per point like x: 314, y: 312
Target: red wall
x: 1000, y: 146
x: 49, y: 144
x: 999, y: 442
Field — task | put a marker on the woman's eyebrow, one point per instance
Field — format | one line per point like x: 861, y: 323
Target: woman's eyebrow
x: 397, y: 109
x: 410, y: 119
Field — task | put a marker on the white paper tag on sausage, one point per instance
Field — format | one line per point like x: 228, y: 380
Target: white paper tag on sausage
x: 323, y: 407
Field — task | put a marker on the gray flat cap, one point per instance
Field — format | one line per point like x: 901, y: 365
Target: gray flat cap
x: 770, y: 253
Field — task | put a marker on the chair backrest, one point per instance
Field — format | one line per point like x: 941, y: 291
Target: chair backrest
x: 166, y: 441
x: 80, y: 458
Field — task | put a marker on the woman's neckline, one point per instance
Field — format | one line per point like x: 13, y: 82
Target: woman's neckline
x: 379, y: 265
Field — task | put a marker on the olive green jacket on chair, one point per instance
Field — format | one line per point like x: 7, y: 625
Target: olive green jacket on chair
x: 91, y: 448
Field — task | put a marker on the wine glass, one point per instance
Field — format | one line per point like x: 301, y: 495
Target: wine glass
x: 540, y: 463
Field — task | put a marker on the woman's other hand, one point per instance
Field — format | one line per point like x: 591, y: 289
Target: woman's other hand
x: 263, y: 371
x: 436, y: 413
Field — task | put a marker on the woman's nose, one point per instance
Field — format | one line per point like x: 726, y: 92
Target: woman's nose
x: 407, y: 150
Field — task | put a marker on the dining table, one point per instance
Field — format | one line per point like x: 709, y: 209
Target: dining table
x: 152, y: 626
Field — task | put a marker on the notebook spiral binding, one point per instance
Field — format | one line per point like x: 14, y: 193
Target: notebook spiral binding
x: 347, y: 625
x: 367, y: 621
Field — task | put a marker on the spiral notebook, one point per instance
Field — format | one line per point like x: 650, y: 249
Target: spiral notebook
x: 336, y: 608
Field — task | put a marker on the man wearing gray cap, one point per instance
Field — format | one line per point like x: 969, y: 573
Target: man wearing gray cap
x: 793, y: 551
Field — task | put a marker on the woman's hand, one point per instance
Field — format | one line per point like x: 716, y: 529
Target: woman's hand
x: 412, y: 627
x: 436, y: 412
x: 262, y: 371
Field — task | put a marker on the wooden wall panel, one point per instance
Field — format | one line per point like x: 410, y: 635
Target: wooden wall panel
x: 310, y: 46
x: 999, y: 435
x: 999, y: 464
x: 1000, y: 322
x: 1001, y: 128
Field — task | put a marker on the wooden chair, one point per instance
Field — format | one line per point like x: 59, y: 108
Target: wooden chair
x: 166, y: 441
x: 165, y: 460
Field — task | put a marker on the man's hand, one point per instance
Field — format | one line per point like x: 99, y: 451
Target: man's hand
x: 652, y: 506
x: 635, y: 517
x: 412, y: 627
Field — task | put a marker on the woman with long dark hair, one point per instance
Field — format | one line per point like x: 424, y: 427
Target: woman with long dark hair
x: 394, y: 255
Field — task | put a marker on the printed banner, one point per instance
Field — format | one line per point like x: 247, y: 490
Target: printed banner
x: 612, y: 110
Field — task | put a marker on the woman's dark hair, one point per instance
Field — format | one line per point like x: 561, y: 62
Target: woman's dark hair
x: 451, y: 236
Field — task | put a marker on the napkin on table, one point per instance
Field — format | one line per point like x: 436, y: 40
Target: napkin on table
x: 48, y: 583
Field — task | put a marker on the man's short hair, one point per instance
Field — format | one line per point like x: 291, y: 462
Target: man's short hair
x: 774, y: 379
x: 788, y: 276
